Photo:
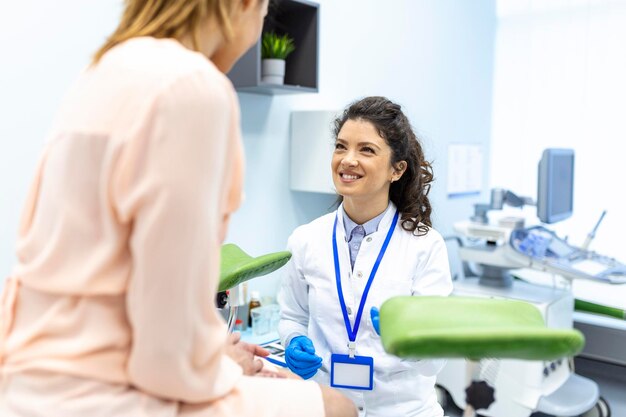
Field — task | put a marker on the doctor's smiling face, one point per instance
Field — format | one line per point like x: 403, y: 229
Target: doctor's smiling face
x: 378, y: 158
x: 361, y: 164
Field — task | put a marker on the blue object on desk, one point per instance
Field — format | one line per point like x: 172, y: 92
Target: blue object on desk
x: 276, y: 361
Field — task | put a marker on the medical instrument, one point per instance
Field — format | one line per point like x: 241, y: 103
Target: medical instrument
x: 301, y: 358
x: 535, y: 247
x: 592, y: 234
x: 541, y: 249
x: 547, y: 386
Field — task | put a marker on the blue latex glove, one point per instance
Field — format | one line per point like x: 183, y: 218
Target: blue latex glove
x: 375, y: 319
x: 301, y: 358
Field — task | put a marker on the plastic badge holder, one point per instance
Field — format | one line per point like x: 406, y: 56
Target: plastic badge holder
x: 352, y: 373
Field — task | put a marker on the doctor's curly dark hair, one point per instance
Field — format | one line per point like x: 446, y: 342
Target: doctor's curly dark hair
x: 410, y: 192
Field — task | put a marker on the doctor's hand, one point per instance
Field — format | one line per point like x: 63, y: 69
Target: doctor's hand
x: 301, y: 358
x: 245, y: 354
x: 375, y: 315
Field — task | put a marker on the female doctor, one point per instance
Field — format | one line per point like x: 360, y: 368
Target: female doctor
x: 377, y: 245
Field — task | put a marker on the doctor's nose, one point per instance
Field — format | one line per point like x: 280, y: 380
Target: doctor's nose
x: 349, y: 162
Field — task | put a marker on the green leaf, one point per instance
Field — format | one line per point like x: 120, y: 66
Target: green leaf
x: 275, y: 46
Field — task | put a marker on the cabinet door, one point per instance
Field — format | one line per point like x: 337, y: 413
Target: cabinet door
x: 312, y: 143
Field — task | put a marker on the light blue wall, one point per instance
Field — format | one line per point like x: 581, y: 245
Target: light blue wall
x: 433, y: 57
x: 43, y: 47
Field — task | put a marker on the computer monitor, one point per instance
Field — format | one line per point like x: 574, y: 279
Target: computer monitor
x: 555, y: 188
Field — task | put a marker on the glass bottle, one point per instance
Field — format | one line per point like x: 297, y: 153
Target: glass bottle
x: 255, y: 301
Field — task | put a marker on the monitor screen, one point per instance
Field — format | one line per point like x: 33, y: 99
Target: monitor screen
x: 555, y: 188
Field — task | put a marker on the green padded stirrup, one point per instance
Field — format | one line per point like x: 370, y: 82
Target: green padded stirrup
x: 237, y: 266
x: 473, y: 328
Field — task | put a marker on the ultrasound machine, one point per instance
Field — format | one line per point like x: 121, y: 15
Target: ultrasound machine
x: 496, y: 253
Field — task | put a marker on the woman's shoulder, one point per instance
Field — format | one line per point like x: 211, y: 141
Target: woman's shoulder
x: 165, y: 63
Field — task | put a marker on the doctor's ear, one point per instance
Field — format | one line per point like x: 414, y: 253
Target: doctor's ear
x: 398, y: 170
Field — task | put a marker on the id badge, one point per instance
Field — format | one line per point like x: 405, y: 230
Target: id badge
x: 352, y: 373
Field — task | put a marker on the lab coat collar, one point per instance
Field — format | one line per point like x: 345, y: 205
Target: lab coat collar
x: 369, y: 226
x: 382, y: 225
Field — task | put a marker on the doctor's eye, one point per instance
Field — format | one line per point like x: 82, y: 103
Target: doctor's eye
x: 367, y: 149
x: 339, y: 146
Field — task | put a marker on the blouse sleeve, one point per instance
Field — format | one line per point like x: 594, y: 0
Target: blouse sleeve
x: 171, y: 189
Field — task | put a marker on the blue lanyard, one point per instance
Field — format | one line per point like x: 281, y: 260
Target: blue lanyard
x: 352, y: 332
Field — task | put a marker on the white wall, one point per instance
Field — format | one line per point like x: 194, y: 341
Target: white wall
x: 560, y: 82
x: 43, y: 47
x: 435, y: 57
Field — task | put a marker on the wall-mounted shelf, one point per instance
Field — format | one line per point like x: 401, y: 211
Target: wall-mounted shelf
x: 300, y: 20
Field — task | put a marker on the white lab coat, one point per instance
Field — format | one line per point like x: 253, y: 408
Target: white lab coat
x: 412, y: 265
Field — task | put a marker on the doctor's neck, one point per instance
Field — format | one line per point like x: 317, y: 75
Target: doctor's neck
x: 362, y: 210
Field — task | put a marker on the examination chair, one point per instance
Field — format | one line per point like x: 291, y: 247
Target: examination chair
x: 238, y: 267
x: 473, y: 328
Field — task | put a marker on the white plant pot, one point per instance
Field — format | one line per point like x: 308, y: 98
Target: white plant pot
x: 273, y: 71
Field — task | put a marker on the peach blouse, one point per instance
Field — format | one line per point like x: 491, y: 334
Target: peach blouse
x: 118, y: 254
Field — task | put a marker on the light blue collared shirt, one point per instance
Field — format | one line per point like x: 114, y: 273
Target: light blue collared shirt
x: 355, y: 233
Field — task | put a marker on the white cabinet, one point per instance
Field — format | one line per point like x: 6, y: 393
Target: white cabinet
x: 312, y: 142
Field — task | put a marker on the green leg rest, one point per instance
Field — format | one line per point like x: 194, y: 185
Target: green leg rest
x: 473, y: 328
x: 238, y: 267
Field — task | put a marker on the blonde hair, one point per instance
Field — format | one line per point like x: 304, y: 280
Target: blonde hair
x: 168, y: 19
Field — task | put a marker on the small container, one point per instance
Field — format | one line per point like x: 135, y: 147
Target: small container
x: 239, y: 325
x: 260, y: 322
x: 265, y: 319
x: 255, y: 301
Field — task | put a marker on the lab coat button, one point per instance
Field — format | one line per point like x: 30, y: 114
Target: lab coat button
x: 360, y: 408
x: 349, y: 311
x: 369, y: 239
x: 359, y: 274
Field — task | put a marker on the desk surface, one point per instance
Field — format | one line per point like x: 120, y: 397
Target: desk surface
x: 612, y: 295
x: 248, y: 336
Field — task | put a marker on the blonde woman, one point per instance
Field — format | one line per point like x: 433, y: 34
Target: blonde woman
x: 109, y: 310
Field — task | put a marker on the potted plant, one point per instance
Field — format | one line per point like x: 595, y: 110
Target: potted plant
x: 274, y: 50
